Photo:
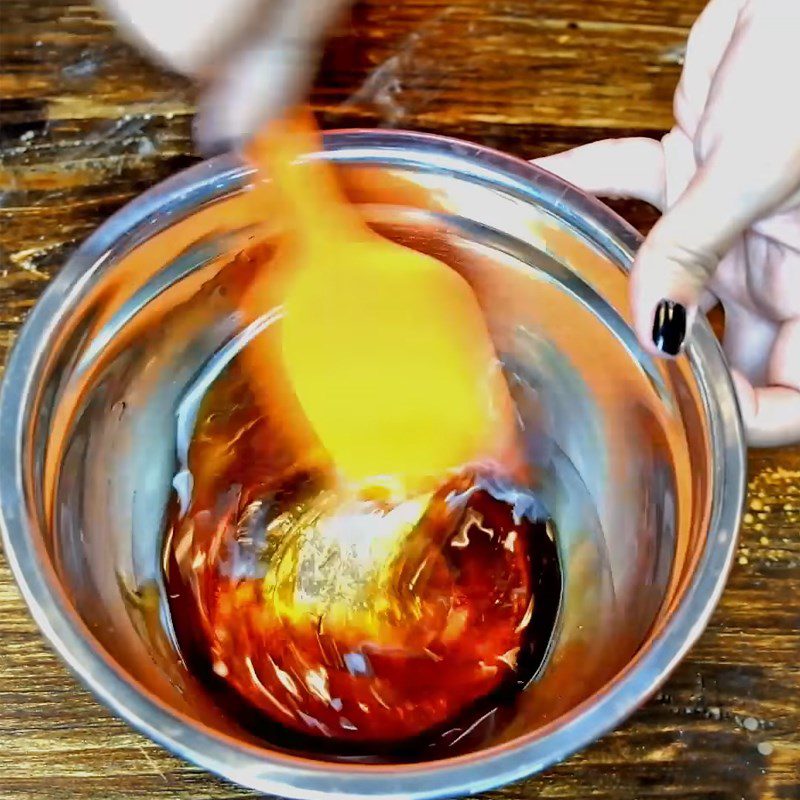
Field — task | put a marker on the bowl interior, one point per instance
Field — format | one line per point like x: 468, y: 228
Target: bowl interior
x: 623, y: 443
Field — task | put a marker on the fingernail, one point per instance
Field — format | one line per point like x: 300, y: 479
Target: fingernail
x: 669, y: 327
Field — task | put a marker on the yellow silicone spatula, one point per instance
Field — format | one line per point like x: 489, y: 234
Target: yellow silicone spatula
x: 386, y: 349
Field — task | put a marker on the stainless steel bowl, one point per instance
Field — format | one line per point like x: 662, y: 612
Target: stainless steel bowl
x: 642, y: 462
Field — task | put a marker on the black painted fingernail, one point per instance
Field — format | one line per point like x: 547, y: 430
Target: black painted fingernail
x: 669, y: 327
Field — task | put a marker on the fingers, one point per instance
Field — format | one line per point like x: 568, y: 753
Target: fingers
x: 256, y: 56
x: 675, y: 264
x: 614, y: 168
x: 679, y: 257
x: 266, y: 75
x: 644, y: 169
x: 771, y: 414
x: 749, y: 340
x: 175, y: 33
x: 748, y: 148
x: 709, y: 39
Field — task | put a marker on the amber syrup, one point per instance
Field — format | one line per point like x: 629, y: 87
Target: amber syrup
x: 429, y: 671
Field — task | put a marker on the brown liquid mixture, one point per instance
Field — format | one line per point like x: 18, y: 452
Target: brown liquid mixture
x: 350, y: 621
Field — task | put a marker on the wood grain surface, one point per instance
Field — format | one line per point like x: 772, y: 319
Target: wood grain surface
x: 87, y: 124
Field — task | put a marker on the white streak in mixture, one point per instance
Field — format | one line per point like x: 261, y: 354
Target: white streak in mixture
x: 189, y: 405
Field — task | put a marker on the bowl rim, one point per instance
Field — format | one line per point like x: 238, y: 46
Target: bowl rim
x: 292, y: 776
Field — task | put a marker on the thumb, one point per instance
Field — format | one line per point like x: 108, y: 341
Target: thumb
x: 682, y: 252
x: 631, y: 167
x: 714, y: 206
x: 637, y: 167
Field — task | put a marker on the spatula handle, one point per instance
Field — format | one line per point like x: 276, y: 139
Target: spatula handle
x: 306, y: 186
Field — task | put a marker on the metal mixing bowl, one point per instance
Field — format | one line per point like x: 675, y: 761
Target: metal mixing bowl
x: 642, y: 462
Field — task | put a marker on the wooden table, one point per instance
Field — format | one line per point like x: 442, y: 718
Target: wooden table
x: 87, y: 124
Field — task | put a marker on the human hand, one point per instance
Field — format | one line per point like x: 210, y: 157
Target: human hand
x: 728, y: 178
x: 254, y: 57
